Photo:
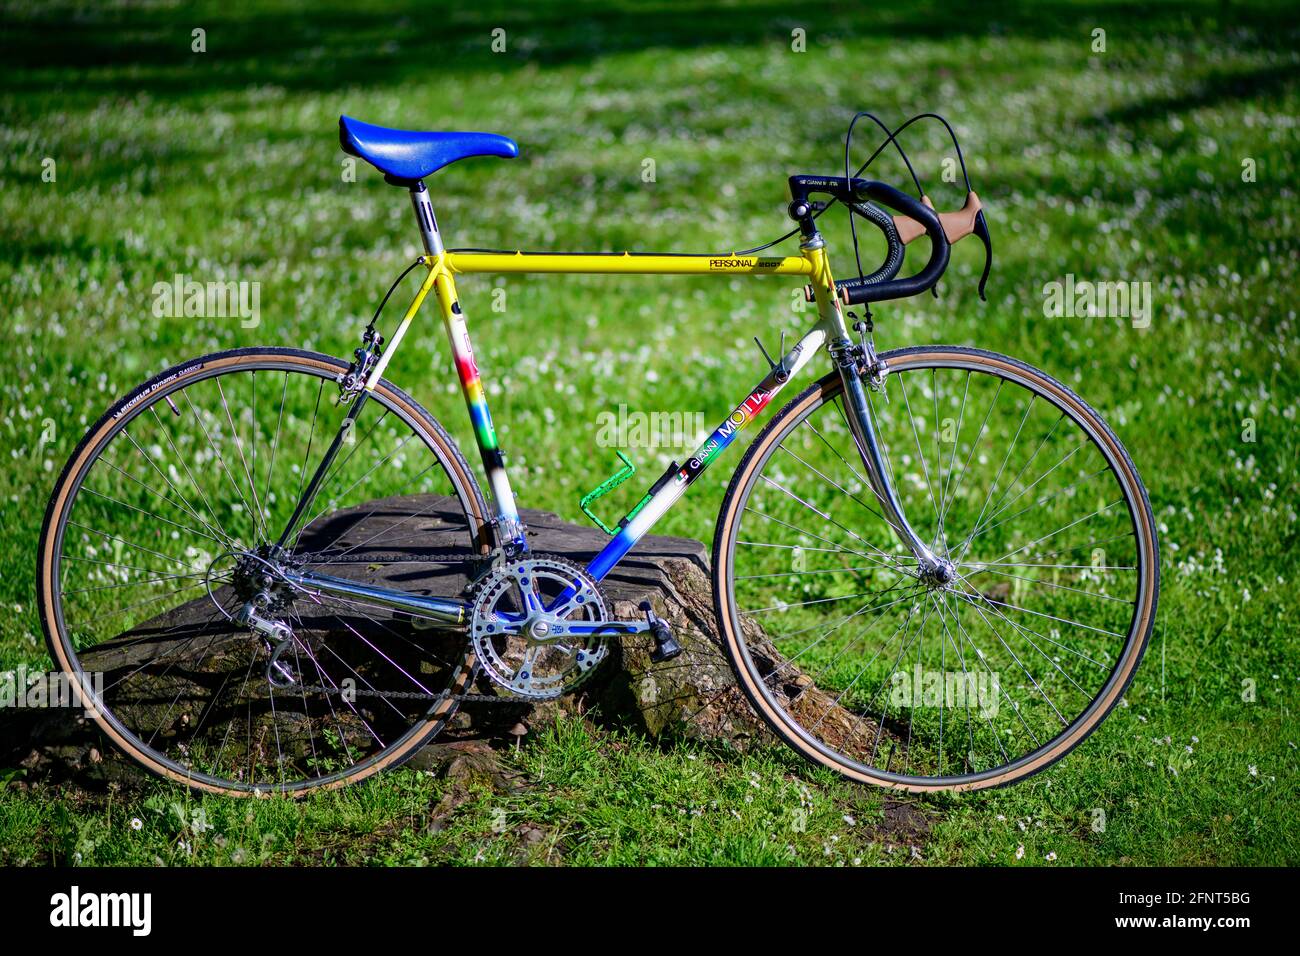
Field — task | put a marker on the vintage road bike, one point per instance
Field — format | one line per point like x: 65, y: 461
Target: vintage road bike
x: 935, y: 568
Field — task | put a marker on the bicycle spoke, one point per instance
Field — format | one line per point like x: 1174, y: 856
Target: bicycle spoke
x: 809, y: 534
x: 925, y: 468
x: 974, y: 445
x: 877, y: 610
x: 1040, y: 502
x: 1049, y: 584
x: 825, y: 517
x: 239, y: 446
x: 1067, y: 527
x: 952, y: 459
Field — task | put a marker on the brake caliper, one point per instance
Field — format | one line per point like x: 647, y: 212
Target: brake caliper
x: 354, y: 379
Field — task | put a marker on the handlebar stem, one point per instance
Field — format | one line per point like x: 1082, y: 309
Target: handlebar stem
x: 854, y: 190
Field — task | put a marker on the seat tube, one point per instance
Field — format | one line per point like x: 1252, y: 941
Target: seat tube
x: 510, y: 530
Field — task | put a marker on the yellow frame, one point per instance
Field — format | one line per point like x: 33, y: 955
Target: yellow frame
x: 812, y: 264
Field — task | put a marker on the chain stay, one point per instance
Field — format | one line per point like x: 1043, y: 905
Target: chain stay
x: 450, y: 557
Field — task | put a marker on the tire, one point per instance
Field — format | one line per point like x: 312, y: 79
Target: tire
x: 465, y: 498
x: 757, y: 662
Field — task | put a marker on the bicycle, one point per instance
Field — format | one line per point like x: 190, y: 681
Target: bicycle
x: 272, y: 571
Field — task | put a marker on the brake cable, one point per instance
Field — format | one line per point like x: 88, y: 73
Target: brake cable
x: 848, y: 140
x: 370, y: 329
x: 890, y: 137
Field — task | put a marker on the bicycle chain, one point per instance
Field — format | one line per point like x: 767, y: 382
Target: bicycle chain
x: 399, y: 694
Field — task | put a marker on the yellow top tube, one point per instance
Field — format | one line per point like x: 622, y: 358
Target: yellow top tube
x: 626, y: 263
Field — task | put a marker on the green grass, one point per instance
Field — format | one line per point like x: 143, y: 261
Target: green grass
x: 1125, y: 165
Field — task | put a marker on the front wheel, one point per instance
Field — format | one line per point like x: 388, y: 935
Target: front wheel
x: 908, y: 681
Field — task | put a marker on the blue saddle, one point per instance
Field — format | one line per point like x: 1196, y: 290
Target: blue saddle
x: 404, y: 156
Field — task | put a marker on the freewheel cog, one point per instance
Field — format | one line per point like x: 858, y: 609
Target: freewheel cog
x: 521, y: 625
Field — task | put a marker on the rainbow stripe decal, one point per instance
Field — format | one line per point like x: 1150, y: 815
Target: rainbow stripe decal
x: 725, y: 433
x: 476, y: 401
x: 667, y: 496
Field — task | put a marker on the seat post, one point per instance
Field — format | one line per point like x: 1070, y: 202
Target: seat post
x: 424, y: 216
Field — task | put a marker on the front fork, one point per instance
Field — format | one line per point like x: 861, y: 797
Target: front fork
x: 853, y: 362
x: 849, y: 361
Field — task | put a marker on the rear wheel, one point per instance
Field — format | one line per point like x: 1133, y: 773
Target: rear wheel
x: 954, y: 681
x: 160, y: 533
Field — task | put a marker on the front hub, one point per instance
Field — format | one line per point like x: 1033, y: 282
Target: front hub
x: 938, y: 574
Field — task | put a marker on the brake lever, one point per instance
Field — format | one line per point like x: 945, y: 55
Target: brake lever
x: 957, y: 225
x: 982, y: 230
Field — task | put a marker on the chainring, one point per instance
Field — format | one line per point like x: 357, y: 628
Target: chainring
x: 509, y: 624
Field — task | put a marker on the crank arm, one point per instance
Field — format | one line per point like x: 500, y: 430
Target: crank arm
x: 559, y: 629
x: 603, y: 627
x: 666, y: 647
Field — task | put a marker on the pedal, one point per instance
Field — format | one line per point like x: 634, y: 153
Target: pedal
x: 666, y: 646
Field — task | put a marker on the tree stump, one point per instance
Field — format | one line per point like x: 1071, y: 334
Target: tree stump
x: 695, y: 695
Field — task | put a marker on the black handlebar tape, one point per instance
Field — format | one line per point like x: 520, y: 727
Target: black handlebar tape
x: 939, y: 248
x: 893, y: 255
x: 896, y: 250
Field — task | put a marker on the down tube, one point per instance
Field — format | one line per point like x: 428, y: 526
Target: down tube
x: 706, y: 454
